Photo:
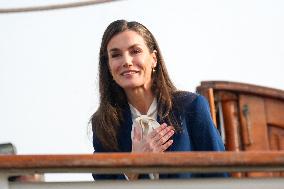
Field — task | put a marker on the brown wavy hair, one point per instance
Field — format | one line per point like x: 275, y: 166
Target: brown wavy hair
x: 108, y: 117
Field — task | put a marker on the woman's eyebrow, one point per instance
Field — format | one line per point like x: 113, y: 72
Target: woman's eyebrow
x: 130, y: 47
x: 114, y: 49
x: 134, y: 45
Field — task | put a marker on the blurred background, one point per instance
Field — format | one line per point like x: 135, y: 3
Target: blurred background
x: 49, y: 60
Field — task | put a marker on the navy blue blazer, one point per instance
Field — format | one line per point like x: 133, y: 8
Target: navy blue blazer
x: 198, y: 133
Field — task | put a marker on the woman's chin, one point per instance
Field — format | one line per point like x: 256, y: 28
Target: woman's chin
x: 130, y: 86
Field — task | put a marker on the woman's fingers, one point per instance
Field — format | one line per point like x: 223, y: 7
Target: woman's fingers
x: 137, y: 142
x: 156, y: 141
x: 137, y: 134
x: 166, y: 145
x: 153, y: 133
x: 164, y: 133
x: 163, y: 147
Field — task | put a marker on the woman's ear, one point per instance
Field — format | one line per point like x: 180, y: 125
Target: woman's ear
x: 154, y: 55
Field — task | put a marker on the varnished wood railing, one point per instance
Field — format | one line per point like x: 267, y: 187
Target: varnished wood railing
x: 145, y: 163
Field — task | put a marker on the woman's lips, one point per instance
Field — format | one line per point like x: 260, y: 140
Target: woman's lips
x: 129, y: 72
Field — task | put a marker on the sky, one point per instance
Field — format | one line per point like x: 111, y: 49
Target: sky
x: 49, y: 60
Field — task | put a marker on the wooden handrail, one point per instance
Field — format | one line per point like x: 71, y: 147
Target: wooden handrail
x: 242, y: 87
x: 144, y: 163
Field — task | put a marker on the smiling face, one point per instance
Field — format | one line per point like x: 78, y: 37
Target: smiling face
x: 130, y: 61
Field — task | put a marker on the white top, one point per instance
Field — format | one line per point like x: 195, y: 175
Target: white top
x: 146, y: 122
x: 152, y: 112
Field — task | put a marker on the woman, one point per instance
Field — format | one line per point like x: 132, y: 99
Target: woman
x: 140, y: 109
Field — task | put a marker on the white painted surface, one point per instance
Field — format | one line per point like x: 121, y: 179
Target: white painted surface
x: 165, y: 184
x: 4, y: 182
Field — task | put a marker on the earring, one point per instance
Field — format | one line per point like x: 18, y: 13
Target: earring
x: 153, y: 70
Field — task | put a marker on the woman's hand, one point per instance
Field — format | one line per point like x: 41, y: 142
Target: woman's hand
x: 156, y: 141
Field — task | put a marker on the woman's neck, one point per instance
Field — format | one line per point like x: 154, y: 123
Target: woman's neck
x: 141, y: 99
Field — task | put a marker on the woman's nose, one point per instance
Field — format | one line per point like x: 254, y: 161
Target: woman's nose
x: 127, y: 60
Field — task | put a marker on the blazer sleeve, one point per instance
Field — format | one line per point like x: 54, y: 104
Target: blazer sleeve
x: 203, y: 133
x: 98, y: 148
x: 205, y: 136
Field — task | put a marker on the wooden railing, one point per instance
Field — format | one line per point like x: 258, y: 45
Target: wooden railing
x: 172, y: 162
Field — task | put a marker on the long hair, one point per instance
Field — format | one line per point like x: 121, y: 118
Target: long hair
x: 106, y: 120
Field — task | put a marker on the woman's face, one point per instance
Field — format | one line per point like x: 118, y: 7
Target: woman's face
x: 130, y: 61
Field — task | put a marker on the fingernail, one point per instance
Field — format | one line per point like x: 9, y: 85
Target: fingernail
x: 172, y: 130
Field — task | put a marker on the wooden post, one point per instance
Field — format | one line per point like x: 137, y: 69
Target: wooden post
x: 231, y: 121
x: 212, y: 105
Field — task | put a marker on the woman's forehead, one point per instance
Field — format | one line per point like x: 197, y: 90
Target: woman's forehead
x: 126, y: 39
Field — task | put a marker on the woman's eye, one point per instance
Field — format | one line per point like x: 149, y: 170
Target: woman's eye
x: 136, y: 51
x: 114, y: 55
